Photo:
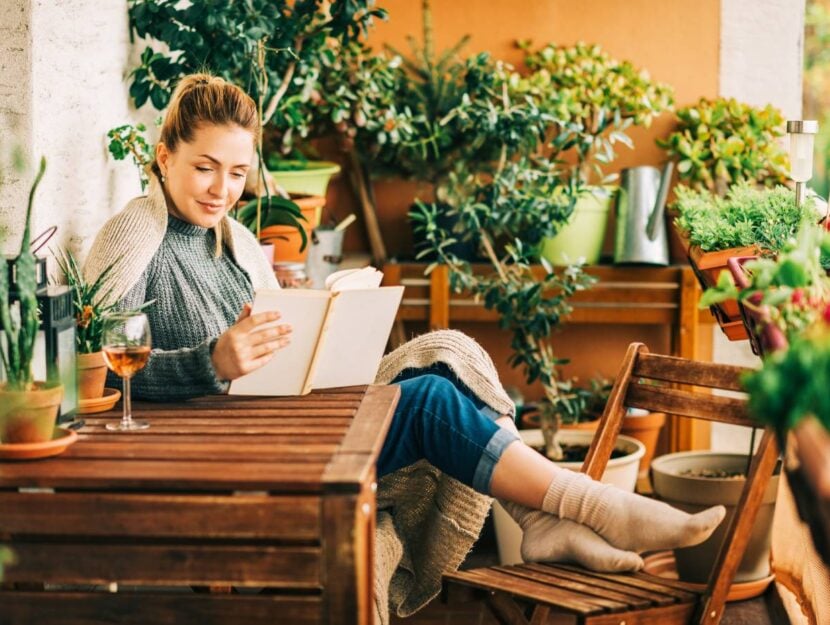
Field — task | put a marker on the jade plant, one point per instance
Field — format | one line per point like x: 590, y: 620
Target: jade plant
x: 746, y: 216
x: 592, y: 99
x: 20, y: 320
x: 721, y: 142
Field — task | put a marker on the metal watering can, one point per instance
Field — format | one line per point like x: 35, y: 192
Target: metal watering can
x: 641, y: 202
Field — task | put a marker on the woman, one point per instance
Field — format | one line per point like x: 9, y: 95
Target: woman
x: 178, y: 247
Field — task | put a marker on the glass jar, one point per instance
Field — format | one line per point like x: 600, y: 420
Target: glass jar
x: 291, y: 275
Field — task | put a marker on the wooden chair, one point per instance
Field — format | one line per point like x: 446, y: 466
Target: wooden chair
x: 553, y: 593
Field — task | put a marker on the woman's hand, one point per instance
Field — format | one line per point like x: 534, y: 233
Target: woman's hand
x: 249, y: 343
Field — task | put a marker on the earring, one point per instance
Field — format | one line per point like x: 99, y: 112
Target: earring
x: 163, y: 178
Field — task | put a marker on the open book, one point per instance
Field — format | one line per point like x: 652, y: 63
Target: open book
x: 339, y: 334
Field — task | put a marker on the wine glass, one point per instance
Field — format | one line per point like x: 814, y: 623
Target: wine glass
x: 126, y: 344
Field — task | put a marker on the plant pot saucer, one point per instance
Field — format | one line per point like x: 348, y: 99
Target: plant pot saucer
x: 661, y: 564
x: 99, y: 404
x: 61, y: 439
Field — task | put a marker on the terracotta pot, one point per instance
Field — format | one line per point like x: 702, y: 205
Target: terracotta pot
x: 92, y: 375
x: 646, y: 429
x: 29, y: 416
x: 708, y: 267
x: 286, y: 239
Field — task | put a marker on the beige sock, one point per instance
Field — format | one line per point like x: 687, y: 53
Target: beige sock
x: 627, y: 521
x: 550, y: 539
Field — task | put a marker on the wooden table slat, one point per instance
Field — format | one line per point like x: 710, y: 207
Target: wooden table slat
x: 85, y: 563
x: 228, y: 438
x: 130, y: 608
x: 164, y: 475
x: 161, y: 516
x: 283, y: 415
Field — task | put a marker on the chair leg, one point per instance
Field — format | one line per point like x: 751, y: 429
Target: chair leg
x: 737, y: 536
x: 505, y: 609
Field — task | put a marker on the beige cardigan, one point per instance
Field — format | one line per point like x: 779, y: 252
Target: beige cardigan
x: 131, y: 238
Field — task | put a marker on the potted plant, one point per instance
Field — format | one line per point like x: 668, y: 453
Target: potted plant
x: 696, y: 480
x: 781, y: 296
x: 747, y: 221
x: 28, y: 408
x: 90, y: 313
x: 594, y: 100
x: 721, y: 142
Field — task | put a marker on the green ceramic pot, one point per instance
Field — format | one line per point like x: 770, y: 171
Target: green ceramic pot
x: 306, y: 177
x: 582, y: 236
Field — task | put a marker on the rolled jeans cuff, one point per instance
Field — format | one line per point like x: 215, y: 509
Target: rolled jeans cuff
x: 490, y: 457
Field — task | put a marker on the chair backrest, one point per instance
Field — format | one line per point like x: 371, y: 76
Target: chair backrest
x: 676, y: 386
x: 683, y: 387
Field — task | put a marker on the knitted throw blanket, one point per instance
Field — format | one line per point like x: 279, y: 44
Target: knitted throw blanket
x: 427, y: 521
x: 132, y: 237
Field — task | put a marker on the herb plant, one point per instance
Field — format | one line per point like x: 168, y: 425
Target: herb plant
x: 21, y: 319
x: 721, y: 142
x: 746, y: 216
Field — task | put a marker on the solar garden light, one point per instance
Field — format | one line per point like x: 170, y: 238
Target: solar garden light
x: 802, y: 134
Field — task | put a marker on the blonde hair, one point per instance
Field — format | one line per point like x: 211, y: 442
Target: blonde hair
x: 202, y: 99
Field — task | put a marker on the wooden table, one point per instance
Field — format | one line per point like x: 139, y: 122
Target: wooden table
x: 221, y: 494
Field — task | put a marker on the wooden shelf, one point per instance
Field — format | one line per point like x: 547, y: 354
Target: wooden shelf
x: 666, y: 296
x: 623, y: 295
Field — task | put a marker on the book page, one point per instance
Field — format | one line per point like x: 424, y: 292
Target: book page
x: 355, y: 336
x: 365, y: 278
x: 286, y: 372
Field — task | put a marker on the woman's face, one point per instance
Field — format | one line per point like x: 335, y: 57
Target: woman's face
x: 205, y: 177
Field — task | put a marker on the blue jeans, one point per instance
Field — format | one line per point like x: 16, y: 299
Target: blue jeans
x: 439, y: 419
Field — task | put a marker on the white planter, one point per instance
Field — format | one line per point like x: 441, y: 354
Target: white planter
x: 621, y: 472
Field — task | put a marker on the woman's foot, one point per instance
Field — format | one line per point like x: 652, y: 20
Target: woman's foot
x: 626, y: 520
x: 550, y: 539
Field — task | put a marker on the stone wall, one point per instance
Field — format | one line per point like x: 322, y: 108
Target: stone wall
x: 63, y: 85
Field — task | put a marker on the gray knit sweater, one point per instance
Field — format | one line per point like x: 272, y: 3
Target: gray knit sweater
x: 197, y: 296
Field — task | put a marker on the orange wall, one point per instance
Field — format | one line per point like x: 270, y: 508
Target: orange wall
x: 677, y: 42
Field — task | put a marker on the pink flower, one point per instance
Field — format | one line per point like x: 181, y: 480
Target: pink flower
x: 827, y: 314
x: 797, y: 297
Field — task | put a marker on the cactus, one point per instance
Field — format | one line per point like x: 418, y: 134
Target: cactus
x: 20, y: 320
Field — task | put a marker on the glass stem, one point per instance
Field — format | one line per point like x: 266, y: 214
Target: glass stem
x: 128, y: 408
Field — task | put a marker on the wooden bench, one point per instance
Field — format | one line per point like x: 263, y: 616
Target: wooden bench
x: 271, y: 499
x: 567, y: 594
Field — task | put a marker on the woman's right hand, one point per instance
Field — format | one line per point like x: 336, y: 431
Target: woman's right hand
x: 249, y: 343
